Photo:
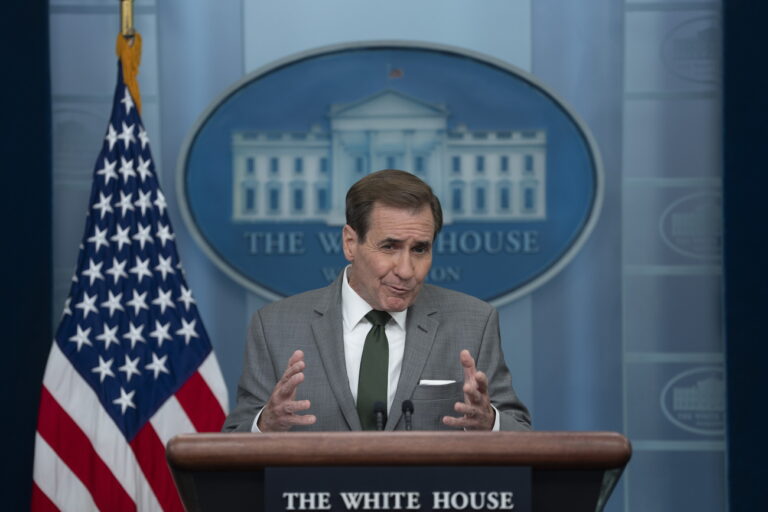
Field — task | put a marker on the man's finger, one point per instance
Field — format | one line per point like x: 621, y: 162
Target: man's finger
x: 468, y: 363
x: 462, y: 422
x: 303, y: 419
x: 292, y: 406
x: 292, y: 370
x: 477, y: 421
x: 454, y: 422
x: 466, y: 409
x: 482, y: 382
x: 472, y: 394
x: 286, y: 418
x: 286, y: 389
x: 281, y: 415
x: 297, y: 356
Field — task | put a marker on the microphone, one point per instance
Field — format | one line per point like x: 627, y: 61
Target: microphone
x: 380, y: 410
x: 407, y: 412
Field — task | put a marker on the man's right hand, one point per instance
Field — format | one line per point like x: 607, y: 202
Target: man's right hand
x: 279, y: 414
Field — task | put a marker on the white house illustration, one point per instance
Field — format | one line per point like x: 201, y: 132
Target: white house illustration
x: 705, y: 395
x: 303, y: 176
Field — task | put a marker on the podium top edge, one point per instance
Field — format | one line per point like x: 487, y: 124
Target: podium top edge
x: 541, y: 450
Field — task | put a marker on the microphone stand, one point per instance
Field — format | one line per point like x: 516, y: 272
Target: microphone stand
x: 380, y: 410
x: 407, y: 414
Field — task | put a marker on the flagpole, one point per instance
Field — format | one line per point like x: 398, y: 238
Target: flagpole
x: 126, y: 18
x: 129, y: 51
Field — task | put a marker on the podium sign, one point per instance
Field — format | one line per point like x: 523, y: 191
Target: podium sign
x: 544, y: 471
x: 423, y: 488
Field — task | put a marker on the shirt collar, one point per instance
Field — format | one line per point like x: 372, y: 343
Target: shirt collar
x: 354, y: 307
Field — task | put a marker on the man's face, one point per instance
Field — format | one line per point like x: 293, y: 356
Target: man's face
x: 389, y: 266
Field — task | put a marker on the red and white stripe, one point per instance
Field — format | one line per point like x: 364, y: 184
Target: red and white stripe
x: 82, y: 460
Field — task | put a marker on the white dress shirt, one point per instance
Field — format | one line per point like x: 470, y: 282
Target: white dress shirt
x: 356, y: 327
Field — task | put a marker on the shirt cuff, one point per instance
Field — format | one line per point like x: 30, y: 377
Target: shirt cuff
x: 255, y: 426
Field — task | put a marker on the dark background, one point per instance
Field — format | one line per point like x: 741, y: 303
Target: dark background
x: 745, y: 182
x: 25, y: 153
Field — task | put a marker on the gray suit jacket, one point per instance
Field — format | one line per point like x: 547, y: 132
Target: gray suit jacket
x: 439, y: 325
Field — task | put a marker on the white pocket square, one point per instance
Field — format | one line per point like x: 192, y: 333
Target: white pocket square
x: 428, y: 382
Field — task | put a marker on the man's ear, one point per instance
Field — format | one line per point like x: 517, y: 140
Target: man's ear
x: 349, y: 242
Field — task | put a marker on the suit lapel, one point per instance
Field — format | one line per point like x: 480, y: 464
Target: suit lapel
x: 421, y: 327
x: 329, y: 338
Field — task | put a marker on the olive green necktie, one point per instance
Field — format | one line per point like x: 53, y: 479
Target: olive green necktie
x: 374, y: 369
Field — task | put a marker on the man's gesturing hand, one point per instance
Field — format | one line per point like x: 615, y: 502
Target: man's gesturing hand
x: 280, y: 412
x: 476, y: 407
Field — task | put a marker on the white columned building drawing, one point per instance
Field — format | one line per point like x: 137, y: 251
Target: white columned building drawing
x: 484, y: 175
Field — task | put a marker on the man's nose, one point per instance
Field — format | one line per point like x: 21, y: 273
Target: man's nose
x: 404, y: 265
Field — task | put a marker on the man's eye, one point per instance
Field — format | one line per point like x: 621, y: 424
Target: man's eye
x: 421, y: 249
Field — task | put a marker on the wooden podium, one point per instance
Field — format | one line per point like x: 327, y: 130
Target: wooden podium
x: 570, y: 471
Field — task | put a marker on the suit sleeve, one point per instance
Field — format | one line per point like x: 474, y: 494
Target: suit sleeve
x: 257, y: 381
x: 513, y: 415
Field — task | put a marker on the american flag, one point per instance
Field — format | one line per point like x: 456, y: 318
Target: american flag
x: 131, y: 364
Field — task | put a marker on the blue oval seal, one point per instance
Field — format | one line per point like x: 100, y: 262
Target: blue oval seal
x: 692, y: 225
x: 263, y: 175
x: 694, y: 400
x: 692, y: 50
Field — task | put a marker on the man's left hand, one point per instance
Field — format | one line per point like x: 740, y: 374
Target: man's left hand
x: 476, y: 407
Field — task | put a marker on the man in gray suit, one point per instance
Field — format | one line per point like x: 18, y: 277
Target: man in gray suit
x: 349, y: 367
